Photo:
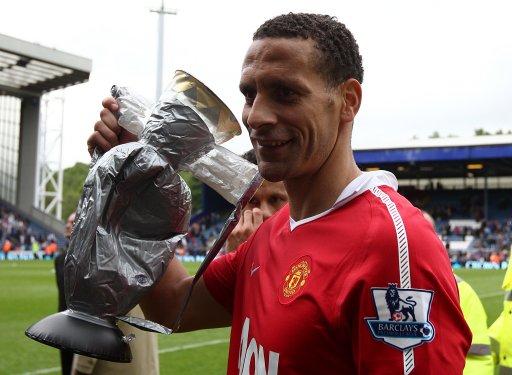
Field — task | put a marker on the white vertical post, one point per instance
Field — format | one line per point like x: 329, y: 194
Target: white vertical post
x: 160, y: 49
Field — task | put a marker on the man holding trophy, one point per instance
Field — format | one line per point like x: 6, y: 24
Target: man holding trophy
x: 348, y: 277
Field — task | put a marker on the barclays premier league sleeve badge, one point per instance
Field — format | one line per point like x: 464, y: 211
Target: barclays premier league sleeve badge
x: 402, y: 316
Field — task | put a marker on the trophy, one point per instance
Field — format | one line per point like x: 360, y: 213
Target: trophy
x: 134, y: 210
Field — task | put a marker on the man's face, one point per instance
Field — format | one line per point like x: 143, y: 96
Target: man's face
x: 291, y: 115
x: 269, y: 198
x: 69, y: 224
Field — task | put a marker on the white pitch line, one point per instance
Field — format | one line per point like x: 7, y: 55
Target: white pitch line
x: 42, y: 371
x: 492, y: 294
x: 161, y: 351
x: 192, y: 346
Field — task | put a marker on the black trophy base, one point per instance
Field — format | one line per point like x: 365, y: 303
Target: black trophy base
x: 82, y: 334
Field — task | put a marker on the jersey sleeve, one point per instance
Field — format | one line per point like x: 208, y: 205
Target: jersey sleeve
x: 220, y: 278
x: 405, y: 303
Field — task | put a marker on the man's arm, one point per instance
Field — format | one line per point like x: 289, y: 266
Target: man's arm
x: 163, y: 302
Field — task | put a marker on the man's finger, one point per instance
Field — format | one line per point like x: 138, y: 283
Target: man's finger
x: 110, y: 103
x: 97, y: 140
x: 257, y: 217
x: 110, y: 120
x: 105, y: 132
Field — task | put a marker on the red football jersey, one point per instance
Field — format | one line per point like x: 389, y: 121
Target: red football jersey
x: 365, y: 288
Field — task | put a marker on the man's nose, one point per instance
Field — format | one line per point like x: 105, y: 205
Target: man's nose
x: 267, y: 210
x: 261, y: 113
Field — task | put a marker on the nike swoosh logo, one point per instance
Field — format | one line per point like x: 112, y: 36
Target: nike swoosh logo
x: 254, y: 269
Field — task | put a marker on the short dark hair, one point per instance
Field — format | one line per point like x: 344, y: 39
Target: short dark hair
x: 339, y: 52
x: 250, y: 156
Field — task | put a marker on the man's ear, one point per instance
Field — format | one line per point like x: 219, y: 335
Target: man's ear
x: 352, y: 95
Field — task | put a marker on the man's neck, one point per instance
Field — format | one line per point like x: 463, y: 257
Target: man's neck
x: 316, y: 194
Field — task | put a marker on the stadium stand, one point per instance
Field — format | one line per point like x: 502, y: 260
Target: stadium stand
x: 464, y: 183
x: 26, y: 239
x: 29, y: 71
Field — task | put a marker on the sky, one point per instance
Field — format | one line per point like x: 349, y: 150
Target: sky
x: 430, y: 66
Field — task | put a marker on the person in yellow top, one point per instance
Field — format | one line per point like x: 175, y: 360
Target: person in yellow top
x: 479, y: 359
x: 501, y: 329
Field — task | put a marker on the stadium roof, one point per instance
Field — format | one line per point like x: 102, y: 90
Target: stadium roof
x: 442, y: 158
x: 28, y: 69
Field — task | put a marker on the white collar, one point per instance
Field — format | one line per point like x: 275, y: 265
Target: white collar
x: 356, y: 187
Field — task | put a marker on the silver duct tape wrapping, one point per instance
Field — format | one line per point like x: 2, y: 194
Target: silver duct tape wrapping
x: 134, y: 111
x: 132, y: 213
x: 223, y: 171
x: 135, y: 207
x: 201, y: 121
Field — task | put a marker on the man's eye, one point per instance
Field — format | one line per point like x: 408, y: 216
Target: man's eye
x: 286, y: 94
x: 279, y: 200
x: 249, y: 96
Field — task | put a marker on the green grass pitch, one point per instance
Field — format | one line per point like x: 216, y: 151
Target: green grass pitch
x: 28, y: 293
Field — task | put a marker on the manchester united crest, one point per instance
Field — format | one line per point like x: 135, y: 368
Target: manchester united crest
x: 295, y: 279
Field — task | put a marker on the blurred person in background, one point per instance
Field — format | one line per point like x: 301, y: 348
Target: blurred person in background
x: 66, y: 357
x: 6, y: 248
x: 479, y: 360
x: 51, y: 249
x: 268, y: 199
x: 501, y: 329
x: 144, y: 348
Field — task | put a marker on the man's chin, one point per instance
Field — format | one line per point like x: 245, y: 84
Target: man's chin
x: 271, y: 173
